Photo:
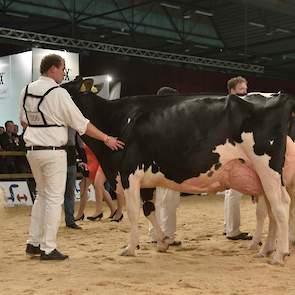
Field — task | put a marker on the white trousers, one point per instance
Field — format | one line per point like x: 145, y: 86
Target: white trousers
x: 232, y: 199
x: 166, y: 204
x: 49, y: 169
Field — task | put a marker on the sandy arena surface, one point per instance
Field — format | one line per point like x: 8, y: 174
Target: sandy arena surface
x: 207, y: 263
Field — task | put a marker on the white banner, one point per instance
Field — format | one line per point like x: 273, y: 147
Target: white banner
x: 15, y: 74
x: 15, y: 193
x: 4, y: 76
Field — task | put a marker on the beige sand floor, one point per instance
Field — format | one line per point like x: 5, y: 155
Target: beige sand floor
x: 207, y: 263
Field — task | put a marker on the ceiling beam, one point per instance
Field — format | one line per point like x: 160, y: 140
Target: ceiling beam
x: 63, y: 42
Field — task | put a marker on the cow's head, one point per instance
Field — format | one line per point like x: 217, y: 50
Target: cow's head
x: 78, y: 86
x: 84, y: 95
x: 79, y: 90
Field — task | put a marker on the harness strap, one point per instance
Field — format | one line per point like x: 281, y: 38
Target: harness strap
x: 41, y: 98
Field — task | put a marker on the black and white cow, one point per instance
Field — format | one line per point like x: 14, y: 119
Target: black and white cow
x: 194, y: 144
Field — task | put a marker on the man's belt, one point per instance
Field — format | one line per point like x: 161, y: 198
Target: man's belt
x: 40, y: 148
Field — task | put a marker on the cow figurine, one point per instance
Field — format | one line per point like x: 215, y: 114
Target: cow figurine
x: 195, y: 144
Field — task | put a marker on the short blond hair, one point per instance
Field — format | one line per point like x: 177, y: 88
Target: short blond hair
x: 233, y: 82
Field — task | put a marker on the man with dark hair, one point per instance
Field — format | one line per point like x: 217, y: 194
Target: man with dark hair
x: 9, y: 141
x: 8, y: 138
x: 166, y: 91
x: 232, y: 198
x: 47, y: 111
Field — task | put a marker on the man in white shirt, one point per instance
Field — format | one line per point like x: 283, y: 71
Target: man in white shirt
x: 46, y: 112
x: 232, y: 198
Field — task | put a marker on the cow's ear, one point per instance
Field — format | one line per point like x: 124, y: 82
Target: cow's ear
x: 99, y: 87
x: 86, y: 85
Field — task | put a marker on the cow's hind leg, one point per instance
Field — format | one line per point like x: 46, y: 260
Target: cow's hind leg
x: 269, y: 245
x: 280, y: 203
x: 132, y: 198
x: 292, y: 217
x: 149, y: 212
x: 261, y: 213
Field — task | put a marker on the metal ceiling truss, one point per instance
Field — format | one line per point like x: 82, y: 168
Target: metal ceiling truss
x: 60, y: 42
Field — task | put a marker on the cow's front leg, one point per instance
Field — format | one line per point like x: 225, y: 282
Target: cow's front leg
x: 132, y: 198
x: 261, y: 213
x: 292, y: 217
x: 149, y: 212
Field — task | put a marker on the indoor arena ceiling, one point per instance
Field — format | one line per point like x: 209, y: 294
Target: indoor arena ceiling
x: 222, y: 33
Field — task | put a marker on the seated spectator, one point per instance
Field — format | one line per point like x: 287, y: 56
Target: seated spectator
x: 7, y: 139
x: 2, y: 130
x: 11, y: 141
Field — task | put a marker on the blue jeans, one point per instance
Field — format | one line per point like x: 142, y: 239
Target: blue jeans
x: 69, y: 200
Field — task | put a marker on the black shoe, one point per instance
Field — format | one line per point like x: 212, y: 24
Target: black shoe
x: 175, y: 243
x: 53, y: 255
x: 152, y: 242
x: 241, y: 236
x: 80, y: 218
x: 119, y: 219
x: 74, y: 226
x: 112, y: 215
x: 97, y: 217
x: 33, y: 250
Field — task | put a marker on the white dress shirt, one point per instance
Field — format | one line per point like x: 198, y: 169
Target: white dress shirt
x: 58, y: 108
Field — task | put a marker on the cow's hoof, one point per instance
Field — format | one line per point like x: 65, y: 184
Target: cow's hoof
x: 127, y: 252
x: 255, y: 245
x: 264, y: 253
x: 278, y: 259
x: 162, y: 246
x: 274, y: 261
x: 259, y: 255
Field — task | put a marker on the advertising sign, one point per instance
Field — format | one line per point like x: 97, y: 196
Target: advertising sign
x: 15, y: 193
x: 91, y: 192
x: 4, y: 76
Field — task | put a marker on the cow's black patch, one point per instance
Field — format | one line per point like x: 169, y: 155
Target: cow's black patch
x: 177, y: 134
x: 217, y: 166
x: 148, y: 207
x: 210, y: 173
x: 147, y: 194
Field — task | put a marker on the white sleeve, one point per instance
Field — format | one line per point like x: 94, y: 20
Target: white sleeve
x: 70, y: 113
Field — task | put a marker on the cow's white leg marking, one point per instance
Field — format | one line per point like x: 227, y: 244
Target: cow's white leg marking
x: 269, y: 245
x: 261, y: 213
x: 162, y: 244
x: 278, y: 198
x: 281, y: 215
x: 132, y: 197
x: 279, y: 203
x: 292, y: 217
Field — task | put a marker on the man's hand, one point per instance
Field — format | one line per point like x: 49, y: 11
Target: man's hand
x: 114, y: 143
